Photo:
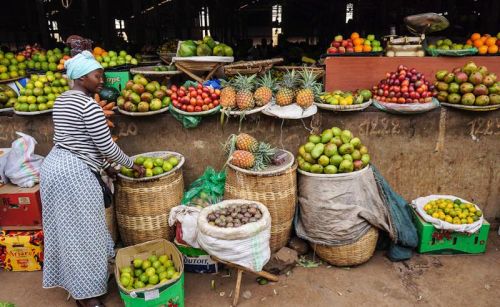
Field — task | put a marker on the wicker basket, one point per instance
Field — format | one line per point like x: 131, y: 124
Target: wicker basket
x: 142, y: 208
x: 111, y: 222
x: 351, y: 254
x: 250, y: 67
x: 277, y: 192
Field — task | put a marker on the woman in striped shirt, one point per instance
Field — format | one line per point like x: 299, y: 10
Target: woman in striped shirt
x: 77, y: 242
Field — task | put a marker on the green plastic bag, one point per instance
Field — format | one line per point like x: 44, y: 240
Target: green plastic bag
x: 186, y: 121
x: 206, y: 190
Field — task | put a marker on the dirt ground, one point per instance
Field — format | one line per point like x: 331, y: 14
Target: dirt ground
x: 423, y: 281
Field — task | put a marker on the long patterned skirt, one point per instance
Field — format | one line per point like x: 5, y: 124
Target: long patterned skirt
x: 77, y: 241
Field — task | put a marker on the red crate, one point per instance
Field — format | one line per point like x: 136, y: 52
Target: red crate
x: 20, y: 207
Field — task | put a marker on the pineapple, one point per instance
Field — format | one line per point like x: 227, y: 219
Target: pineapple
x: 264, y: 93
x: 285, y: 94
x: 246, y: 142
x: 227, y: 96
x: 244, y: 96
x: 263, y: 156
x: 309, y: 89
x: 242, y: 159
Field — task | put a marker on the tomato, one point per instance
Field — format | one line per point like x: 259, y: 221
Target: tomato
x: 173, y: 88
x: 206, y: 90
x: 401, y: 100
x: 404, y: 89
x: 190, y: 108
x: 211, y: 106
x: 191, y: 88
x: 394, y: 99
x: 182, y: 88
x: 216, y: 102
x: 193, y: 93
x: 169, y: 92
x: 420, y: 90
x: 199, y: 91
x: 173, y: 96
x: 197, y: 109
x: 217, y: 92
x: 408, y: 100
x: 204, y: 95
x: 181, y: 93
x: 199, y: 86
x: 207, y: 100
x: 199, y: 102
x: 211, y: 90
x: 183, y: 107
x: 192, y: 101
x: 204, y: 107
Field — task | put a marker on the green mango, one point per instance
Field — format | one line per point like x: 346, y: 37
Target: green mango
x: 330, y: 149
x: 317, y: 150
x: 309, y: 146
x: 330, y: 169
x: 316, y: 169
x: 314, y: 138
x: 326, y: 136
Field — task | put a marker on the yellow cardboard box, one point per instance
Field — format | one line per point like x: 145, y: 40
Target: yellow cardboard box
x: 21, y: 250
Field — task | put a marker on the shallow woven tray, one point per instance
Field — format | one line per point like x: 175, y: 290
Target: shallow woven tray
x: 156, y: 154
x: 33, y: 113
x: 162, y: 110
x: 271, y: 169
x: 246, y: 112
x: 12, y: 79
x: 250, y: 67
x: 472, y: 108
x: 6, y: 110
x: 203, y: 113
x: 351, y: 254
x: 354, y: 107
x: 405, y: 108
x: 149, y: 70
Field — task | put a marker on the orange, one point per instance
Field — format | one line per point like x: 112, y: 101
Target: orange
x: 475, y: 36
x: 367, y: 48
x: 468, y: 42
x: 357, y: 41
x: 478, y: 43
x: 491, y: 41
x: 483, y: 49
x: 483, y: 39
x: 66, y: 57
x: 105, y: 53
x: 60, y: 67
x: 358, y: 48
x: 354, y: 35
x: 98, y: 50
x: 492, y: 49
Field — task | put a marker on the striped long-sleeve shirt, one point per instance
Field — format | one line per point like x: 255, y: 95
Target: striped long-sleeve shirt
x: 80, y: 127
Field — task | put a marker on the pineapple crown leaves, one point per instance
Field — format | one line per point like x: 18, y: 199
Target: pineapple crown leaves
x: 289, y: 79
x: 244, y: 83
x: 267, y: 80
x: 226, y: 83
x: 263, y: 156
x: 308, y: 80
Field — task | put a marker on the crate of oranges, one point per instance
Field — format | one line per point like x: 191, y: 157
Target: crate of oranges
x: 449, y: 213
x: 486, y: 44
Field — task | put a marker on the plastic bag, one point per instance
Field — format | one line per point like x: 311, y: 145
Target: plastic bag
x: 292, y: 111
x: 412, y: 108
x: 23, y: 166
x: 247, y: 245
x: 207, y: 189
x: 185, y: 120
x: 187, y: 217
x: 4, y: 154
x: 420, y: 202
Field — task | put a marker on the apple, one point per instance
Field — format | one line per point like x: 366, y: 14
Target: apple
x: 338, y: 38
x: 349, y: 49
x: 344, y: 43
x: 370, y: 37
x: 331, y: 50
x: 342, y: 50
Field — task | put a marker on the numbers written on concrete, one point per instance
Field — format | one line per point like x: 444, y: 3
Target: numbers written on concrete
x: 484, y: 127
x: 127, y: 129
x: 380, y: 126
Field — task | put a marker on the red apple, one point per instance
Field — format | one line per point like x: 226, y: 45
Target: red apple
x: 341, y: 49
x: 331, y: 50
x: 345, y: 43
x: 349, y: 49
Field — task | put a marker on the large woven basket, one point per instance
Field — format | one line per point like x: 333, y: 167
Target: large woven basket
x: 142, y: 208
x: 350, y: 254
x: 277, y: 192
x: 111, y: 222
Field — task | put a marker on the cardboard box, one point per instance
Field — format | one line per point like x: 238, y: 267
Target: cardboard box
x: 197, y: 260
x: 20, y: 207
x: 21, y: 251
x: 116, y: 79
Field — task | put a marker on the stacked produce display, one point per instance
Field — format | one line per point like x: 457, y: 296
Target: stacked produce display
x: 146, y: 273
x: 244, y: 151
x: 234, y: 216
x: 111, y: 58
x: 334, y: 151
x: 453, y: 211
x: 486, y: 44
x: 153, y: 166
x: 40, y: 92
x: 48, y: 60
x: 193, y: 99
x: 470, y: 85
x: 354, y: 44
x: 346, y: 98
x: 8, y: 97
x: 404, y: 86
x: 141, y: 95
x: 244, y: 93
x: 12, y: 66
x: 447, y: 44
x: 298, y: 87
x: 205, y: 47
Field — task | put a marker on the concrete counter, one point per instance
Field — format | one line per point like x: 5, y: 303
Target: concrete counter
x: 445, y: 151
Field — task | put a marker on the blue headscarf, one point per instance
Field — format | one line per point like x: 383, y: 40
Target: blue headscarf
x: 81, y: 64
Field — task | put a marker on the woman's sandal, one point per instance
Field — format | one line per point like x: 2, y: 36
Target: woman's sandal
x: 92, y: 302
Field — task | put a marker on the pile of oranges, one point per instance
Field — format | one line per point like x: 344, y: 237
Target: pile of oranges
x: 484, y: 43
x: 98, y: 51
x: 60, y: 65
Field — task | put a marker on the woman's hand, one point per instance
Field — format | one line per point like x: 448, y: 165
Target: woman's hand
x: 111, y: 172
x: 139, y: 169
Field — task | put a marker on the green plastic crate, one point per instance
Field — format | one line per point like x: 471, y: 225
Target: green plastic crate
x: 170, y: 293
x: 116, y: 79
x: 451, y: 242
